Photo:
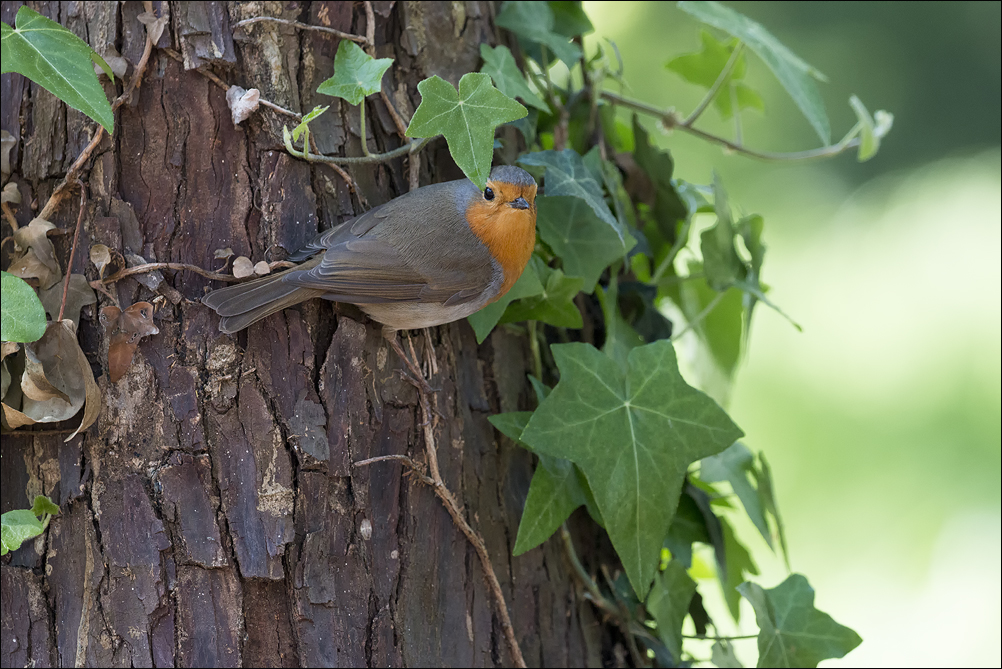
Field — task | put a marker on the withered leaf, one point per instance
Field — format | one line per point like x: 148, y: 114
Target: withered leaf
x: 243, y: 267
x: 262, y: 268
x: 66, y: 369
x: 7, y: 143
x: 78, y: 294
x: 39, y: 256
x: 154, y: 25
x: 100, y: 255
x: 11, y: 194
x: 242, y: 103
x: 126, y: 329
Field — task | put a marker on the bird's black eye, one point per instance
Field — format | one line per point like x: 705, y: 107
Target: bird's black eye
x: 488, y: 194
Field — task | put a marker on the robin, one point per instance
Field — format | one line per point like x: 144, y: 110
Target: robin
x: 432, y: 256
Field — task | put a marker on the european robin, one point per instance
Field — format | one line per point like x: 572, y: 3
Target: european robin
x: 432, y: 256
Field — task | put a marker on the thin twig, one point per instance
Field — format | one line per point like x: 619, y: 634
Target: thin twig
x: 370, y: 29
x: 154, y: 266
x: 671, y: 120
x: 397, y: 118
x: 383, y: 458
x: 712, y: 92
x: 700, y: 316
x: 434, y: 480
x: 301, y: 26
x: 73, y: 248
x: 9, y: 215
x: 71, y: 175
x: 706, y: 637
x: 223, y: 85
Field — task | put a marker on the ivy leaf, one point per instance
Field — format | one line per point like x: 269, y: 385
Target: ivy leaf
x: 793, y: 632
x: 356, y: 74
x: 722, y: 655
x: 585, y: 244
x: 22, y: 318
x: 703, y: 68
x: 555, y: 305
x: 793, y: 73
x: 534, y: 21
x: 566, y: 174
x: 669, y: 604
x: 688, y: 527
x: 570, y: 19
x: 527, y: 285
x: 18, y: 526
x: 557, y: 487
x: 735, y: 465
x: 59, y: 61
x: 721, y: 263
x: 466, y: 118
x: 555, y: 492
x: 765, y: 491
x: 500, y: 64
x: 668, y: 208
x: 620, y: 337
x: 738, y: 563
x: 633, y: 433
x: 304, y: 124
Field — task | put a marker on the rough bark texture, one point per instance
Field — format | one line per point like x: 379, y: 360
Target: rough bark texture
x: 212, y: 516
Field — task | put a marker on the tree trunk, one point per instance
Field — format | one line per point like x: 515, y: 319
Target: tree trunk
x: 212, y: 516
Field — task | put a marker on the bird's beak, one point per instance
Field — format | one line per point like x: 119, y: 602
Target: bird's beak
x: 519, y: 203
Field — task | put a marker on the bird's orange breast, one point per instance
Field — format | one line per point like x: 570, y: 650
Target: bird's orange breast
x: 508, y: 233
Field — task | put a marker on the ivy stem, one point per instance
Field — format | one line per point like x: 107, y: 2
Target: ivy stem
x: 706, y: 637
x: 665, y: 264
x: 715, y: 88
x: 537, y: 359
x: 671, y: 120
x: 361, y: 130
x: 699, y: 317
x: 410, y: 147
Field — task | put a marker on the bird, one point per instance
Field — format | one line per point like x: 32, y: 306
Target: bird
x: 429, y: 257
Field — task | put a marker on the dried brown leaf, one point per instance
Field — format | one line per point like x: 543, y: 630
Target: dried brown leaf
x: 223, y: 253
x: 11, y: 194
x: 242, y: 103
x: 262, y: 268
x: 66, y: 369
x: 154, y: 25
x: 7, y: 143
x: 126, y: 329
x: 14, y: 418
x: 243, y: 267
x: 100, y: 255
x: 29, y: 266
x: 79, y: 294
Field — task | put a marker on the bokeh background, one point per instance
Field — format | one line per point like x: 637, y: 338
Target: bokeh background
x: 881, y: 420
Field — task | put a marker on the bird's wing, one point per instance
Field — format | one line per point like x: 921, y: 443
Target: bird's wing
x: 401, y: 252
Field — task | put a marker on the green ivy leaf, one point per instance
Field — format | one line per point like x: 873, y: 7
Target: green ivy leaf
x: 738, y: 563
x: 722, y: 655
x: 620, y: 337
x: 763, y: 477
x: 721, y: 263
x: 500, y: 64
x: 59, y: 61
x: 585, y: 244
x: 567, y: 174
x: 569, y: 18
x: 735, y: 465
x: 18, y: 526
x: 669, y: 208
x: 304, y: 124
x: 793, y: 73
x: 466, y: 118
x: 22, y: 318
x: 793, y: 632
x: 555, y: 492
x: 703, y: 67
x: 869, y: 138
x: 633, y: 433
x: 356, y: 74
x: 669, y: 604
x: 534, y: 21
x: 527, y: 285
x: 555, y: 305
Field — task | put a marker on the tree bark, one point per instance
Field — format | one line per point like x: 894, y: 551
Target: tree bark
x: 212, y: 516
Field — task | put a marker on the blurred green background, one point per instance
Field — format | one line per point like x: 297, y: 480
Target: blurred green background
x: 881, y: 420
